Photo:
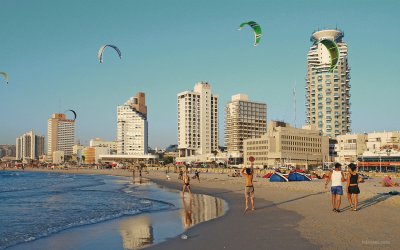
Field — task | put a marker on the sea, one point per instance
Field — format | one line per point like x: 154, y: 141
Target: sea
x: 34, y: 205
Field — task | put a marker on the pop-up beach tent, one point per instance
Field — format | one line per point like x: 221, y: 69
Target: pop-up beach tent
x: 278, y: 177
x: 296, y: 176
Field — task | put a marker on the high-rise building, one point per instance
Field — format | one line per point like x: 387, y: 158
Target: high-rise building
x: 132, y: 138
x: 29, y: 146
x: 197, y: 121
x: 60, y: 134
x: 243, y: 119
x: 328, y: 93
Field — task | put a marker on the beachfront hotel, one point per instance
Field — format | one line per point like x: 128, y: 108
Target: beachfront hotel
x: 60, y: 134
x: 328, y: 93
x: 284, y: 145
x: 197, y: 121
x: 243, y: 119
x: 132, y: 138
x: 29, y: 146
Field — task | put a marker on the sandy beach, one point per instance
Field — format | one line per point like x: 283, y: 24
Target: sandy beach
x: 288, y: 215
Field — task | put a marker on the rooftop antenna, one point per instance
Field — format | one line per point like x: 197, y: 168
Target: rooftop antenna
x: 294, y: 104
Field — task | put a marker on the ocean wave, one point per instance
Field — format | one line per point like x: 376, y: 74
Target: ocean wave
x: 59, y: 205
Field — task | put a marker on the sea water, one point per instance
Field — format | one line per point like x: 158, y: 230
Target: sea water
x: 34, y: 205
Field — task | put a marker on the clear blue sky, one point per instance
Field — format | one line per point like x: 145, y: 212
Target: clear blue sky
x: 49, y: 48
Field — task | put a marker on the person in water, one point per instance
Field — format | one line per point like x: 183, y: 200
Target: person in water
x: 353, y: 178
x: 186, y: 183
x: 337, y: 177
x: 249, y: 188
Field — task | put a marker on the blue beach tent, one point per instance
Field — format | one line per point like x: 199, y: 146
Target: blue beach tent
x: 278, y: 177
x: 295, y: 176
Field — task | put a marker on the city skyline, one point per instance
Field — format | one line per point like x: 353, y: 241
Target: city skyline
x: 58, y: 69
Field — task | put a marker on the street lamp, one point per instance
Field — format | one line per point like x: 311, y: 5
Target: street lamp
x: 388, y: 151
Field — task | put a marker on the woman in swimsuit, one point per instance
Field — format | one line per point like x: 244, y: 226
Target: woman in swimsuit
x: 353, y: 178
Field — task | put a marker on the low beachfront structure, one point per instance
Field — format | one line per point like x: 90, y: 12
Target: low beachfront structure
x: 150, y: 159
x: 349, y: 147
x: 284, y: 145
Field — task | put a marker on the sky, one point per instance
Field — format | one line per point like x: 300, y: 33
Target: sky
x: 49, y: 49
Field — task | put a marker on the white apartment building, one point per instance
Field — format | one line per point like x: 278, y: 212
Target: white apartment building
x: 132, y: 137
x: 197, y: 121
x: 60, y: 134
x: 349, y: 147
x: 29, y: 146
x: 378, y: 141
x: 284, y: 145
x: 243, y: 119
x: 328, y: 93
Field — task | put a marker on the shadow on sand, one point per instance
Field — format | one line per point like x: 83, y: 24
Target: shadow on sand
x: 291, y: 200
x: 373, y: 200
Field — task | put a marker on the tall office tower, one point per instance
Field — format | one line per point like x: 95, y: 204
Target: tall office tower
x: 132, y: 138
x: 29, y: 146
x: 197, y: 121
x: 60, y: 134
x: 328, y: 93
x: 243, y: 120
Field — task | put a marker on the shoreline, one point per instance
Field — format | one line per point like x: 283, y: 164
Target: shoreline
x: 287, y: 215
x: 121, y: 232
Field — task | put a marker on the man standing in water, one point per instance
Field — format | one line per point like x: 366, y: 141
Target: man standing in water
x: 249, y: 188
x: 186, y: 183
x: 337, y: 177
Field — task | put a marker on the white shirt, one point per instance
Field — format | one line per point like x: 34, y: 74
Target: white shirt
x: 336, y: 178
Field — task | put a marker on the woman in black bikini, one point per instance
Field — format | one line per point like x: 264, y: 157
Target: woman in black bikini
x: 353, y: 178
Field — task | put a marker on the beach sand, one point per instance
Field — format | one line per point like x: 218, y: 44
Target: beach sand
x: 288, y: 215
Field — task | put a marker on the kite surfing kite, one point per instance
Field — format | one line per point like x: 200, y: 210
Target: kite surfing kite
x: 256, y: 28
x: 102, y: 48
x: 331, y: 46
x: 5, y: 75
x: 72, y: 112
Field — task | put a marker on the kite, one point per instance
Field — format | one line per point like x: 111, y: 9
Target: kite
x: 331, y: 46
x: 257, y: 31
x: 5, y: 75
x: 102, y: 48
x: 72, y: 112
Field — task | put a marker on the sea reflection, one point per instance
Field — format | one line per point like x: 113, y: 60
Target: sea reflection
x: 136, y: 232
x: 198, y: 208
x: 146, y: 229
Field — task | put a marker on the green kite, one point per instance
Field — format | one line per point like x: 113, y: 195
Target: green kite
x: 256, y: 28
x: 5, y: 75
x: 333, y: 51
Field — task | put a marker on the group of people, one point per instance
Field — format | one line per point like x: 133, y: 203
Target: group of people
x: 337, y: 177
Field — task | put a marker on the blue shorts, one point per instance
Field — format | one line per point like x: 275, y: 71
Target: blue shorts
x: 337, y: 190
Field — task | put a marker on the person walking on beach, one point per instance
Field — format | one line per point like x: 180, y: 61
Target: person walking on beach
x: 337, y: 177
x: 249, y: 188
x: 353, y: 178
x: 186, y: 183
x: 197, y: 174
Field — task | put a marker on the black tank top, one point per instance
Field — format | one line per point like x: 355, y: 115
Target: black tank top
x: 353, y: 178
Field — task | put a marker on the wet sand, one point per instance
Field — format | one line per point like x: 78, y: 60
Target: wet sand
x: 288, y: 215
